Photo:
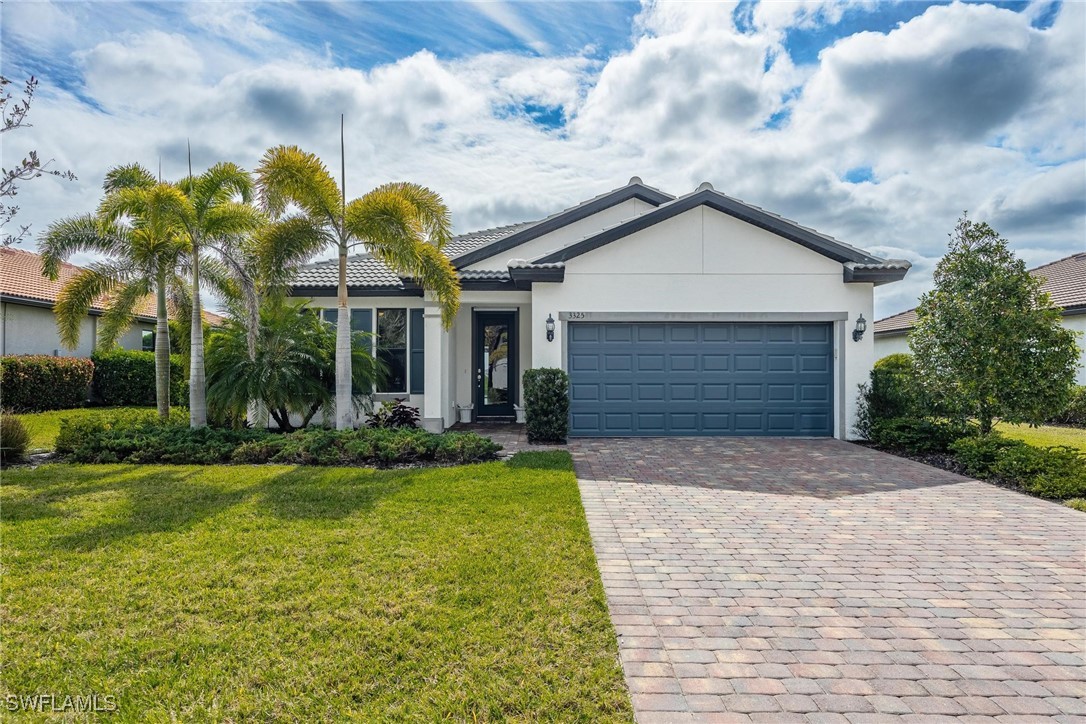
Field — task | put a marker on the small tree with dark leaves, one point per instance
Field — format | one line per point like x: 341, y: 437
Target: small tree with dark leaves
x: 988, y: 342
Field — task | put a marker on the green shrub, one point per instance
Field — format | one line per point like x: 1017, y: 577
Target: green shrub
x: 139, y: 438
x: 1074, y: 413
x: 546, y: 404
x: 1054, y: 472
x: 125, y: 378
x: 33, y: 383
x: 890, y: 393
x: 14, y: 439
x: 74, y: 431
x: 1076, y: 504
x: 979, y: 454
x: 1050, y: 472
x: 920, y: 434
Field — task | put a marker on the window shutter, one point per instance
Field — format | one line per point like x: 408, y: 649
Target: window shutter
x: 417, y: 356
x: 362, y: 321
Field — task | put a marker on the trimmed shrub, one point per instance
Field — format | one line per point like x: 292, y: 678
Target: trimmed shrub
x: 891, y: 393
x: 920, y: 434
x: 1054, y: 472
x: 74, y: 432
x: 1074, y: 413
x: 137, y: 437
x: 546, y: 404
x: 14, y: 439
x: 32, y: 383
x: 393, y: 415
x: 124, y: 378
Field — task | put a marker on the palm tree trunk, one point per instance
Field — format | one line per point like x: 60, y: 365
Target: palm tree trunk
x: 344, y: 414
x: 197, y: 387
x: 162, y: 352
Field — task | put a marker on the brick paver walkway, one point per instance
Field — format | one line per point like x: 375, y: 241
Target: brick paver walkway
x: 815, y: 580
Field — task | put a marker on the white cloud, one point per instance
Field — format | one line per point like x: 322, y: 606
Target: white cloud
x: 941, y: 131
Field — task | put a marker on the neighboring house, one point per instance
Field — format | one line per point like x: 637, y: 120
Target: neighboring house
x: 697, y: 315
x: 27, y: 322
x: 1065, y: 281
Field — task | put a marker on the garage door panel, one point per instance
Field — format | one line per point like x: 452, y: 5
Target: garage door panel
x: 700, y: 379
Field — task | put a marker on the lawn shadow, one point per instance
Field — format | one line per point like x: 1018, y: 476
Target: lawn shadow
x: 332, y: 493
x: 158, y: 501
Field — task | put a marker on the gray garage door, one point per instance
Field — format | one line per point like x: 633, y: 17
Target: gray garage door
x: 700, y: 379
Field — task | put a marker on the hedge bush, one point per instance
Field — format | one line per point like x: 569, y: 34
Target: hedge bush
x: 1054, y: 472
x: 891, y: 392
x: 124, y: 378
x: 33, y: 383
x: 546, y: 404
x: 920, y: 434
x: 14, y: 439
x: 1074, y: 413
x: 74, y: 431
x: 138, y: 438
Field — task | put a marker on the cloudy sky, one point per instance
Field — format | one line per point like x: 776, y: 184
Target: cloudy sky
x: 875, y: 122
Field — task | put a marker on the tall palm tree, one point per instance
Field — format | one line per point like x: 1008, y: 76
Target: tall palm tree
x: 217, y: 211
x: 137, y: 229
x: 403, y: 225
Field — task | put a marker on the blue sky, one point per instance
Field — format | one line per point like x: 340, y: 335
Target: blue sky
x: 876, y: 122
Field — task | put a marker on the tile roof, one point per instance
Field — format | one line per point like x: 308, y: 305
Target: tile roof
x: 460, y: 245
x: 1065, y: 280
x: 363, y: 272
x: 21, y: 278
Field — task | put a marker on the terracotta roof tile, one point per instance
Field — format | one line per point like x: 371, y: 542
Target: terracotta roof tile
x: 1065, y: 280
x: 21, y: 277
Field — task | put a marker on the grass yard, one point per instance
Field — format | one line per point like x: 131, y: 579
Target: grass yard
x: 235, y: 593
x: 1045, y: 435
x: 44, y: 426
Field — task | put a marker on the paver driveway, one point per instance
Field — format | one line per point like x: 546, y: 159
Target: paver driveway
x: 815, y: 580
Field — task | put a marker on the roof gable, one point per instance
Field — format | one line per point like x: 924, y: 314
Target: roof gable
x: 635, y: 189
x: 707, y: 196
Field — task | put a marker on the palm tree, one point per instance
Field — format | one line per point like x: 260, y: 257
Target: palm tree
x: 403, y: 225
x: 216, y: 213
x: 137, y: 228
x: 291, y: 371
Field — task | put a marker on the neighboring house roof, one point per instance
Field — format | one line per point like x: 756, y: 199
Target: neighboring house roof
x: 21, y: 280
x: 368, y: 276
x: 1065, y: 281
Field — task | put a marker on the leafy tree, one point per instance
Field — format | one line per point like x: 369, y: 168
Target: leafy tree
x: 292, y: 370
x: 402, y: 224
x: 217, y: 212
x: 988, y: 342
x: 31, y: 167
x: 137, y: 228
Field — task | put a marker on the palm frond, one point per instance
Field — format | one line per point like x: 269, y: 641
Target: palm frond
x: 279, y: 247
x: 289, y: 175
x: 77, y: 234
x: 430, y: 210
x: 230, y: 218
x: 120, y: 312
x: 132, y: 175
x: 75, y: 301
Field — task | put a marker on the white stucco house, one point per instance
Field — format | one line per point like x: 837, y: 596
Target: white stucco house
x: 1064, y: 280
x: 690, y: 315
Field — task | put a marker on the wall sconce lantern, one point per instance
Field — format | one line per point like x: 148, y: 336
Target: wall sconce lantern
x: 861, y: 327
x: 550, y: 327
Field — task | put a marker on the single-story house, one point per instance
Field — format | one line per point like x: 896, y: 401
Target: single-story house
x: 690, y: 315
x: 1064, y: 280
x: 27, y: 322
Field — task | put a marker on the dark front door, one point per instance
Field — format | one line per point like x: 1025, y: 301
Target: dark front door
x: 495, y: 346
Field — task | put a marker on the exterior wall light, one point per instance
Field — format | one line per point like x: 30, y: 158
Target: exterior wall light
x: 861, y: 327
x: 550, y: 327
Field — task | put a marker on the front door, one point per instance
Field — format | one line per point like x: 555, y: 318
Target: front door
x: 495, y: 345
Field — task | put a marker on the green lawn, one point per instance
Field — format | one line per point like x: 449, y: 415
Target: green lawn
x: 1045, y: 435
x: 238, y: 593
x: 44, y: 426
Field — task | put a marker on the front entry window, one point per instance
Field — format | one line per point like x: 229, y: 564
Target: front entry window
x: 496, y: 364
